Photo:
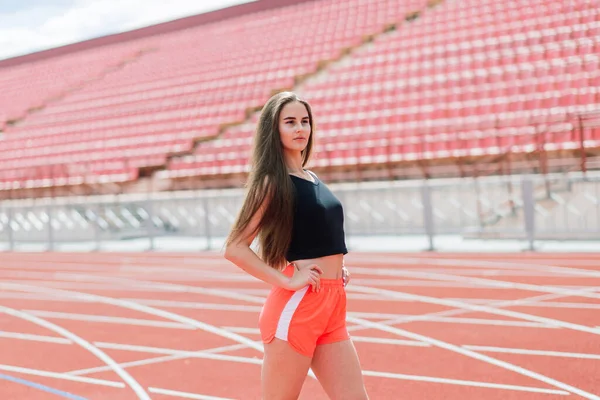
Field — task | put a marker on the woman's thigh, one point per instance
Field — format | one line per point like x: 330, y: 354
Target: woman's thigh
x: 337, y: 368
x: 283, y: 371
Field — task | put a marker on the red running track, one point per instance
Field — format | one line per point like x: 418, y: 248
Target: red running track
x: 184, y: 326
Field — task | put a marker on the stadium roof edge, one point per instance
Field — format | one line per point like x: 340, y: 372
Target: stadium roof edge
x: 165, y: 27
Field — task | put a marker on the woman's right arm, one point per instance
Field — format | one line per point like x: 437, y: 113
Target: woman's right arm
x: 240, y: 253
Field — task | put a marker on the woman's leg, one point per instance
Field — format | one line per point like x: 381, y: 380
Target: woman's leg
x: 283, y: 371
x: 337, y: 368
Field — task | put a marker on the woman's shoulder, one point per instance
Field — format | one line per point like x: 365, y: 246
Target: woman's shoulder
x: 312, y: 173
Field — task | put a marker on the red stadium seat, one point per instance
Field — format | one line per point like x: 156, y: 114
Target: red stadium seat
x: 465, y: 78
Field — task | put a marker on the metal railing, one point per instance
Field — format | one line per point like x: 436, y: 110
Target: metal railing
x: 529, y: 207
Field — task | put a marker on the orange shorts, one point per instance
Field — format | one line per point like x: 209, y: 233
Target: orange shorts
x: 304, y: 318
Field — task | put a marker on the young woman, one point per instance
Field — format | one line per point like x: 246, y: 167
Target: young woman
x: 299, y: 224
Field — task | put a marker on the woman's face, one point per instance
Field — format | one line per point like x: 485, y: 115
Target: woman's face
x: 294, y: 127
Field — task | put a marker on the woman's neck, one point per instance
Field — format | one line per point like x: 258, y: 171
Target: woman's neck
x: 293, y: 163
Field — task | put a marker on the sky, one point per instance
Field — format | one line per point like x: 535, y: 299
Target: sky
x: 33, y: 25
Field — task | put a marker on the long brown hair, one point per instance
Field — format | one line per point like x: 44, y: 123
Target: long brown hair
x: 269, y: 184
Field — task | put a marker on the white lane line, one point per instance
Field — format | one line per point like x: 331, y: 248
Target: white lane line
x: 132, y: 383
x: 388, y: 375
x: 457, y: 320
x: 254, y: 309
x: 541, y: 304
x: 185, y: 395
x: 250, y: 330
x: 395, y: 342
x: 205, y: 276
x: 540, y: 322
x: 477, y: 356
x: 58, y: 375
x: 160, y: 350
x: 158, y: 286
x: 464, y: 306
x: 153, y: 287
x: 109, y: 320
x: 86, y: 286
x: 263, y: 293
x: 258, y: 361
x: 138, y: 307
x: 409, y: 282
x: 261, y: 300
x: 52, y: 266
x: 28, y: 296
x: 474, y: 307
x: 242, y: 329
x: 73, y: 276
x: 34, y: 338
x: 152, y: 311
x: 364, y: 339
x: 233, y: 275
x: 255, y: 292
x: 581, y: 306
x: 489, y: 272
x: 197, y: 305
x: 495, y: 304
x: 138, y: 284
x: 464, y: 382
x: 193, y: 264
x: 155, y: 360
x: 491, y: 283
x: 479, y: 264
x: 492, y: 349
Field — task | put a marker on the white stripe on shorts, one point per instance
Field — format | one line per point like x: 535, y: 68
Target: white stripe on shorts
x: 285, y: 319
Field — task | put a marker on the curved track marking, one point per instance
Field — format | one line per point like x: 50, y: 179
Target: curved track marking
x: 64, y: 376
x: 402, y: 295
x: 460, y: 350
x: 255, y: 299
x: 475, y: 355
x: 363, y: 289
x: 480, y: 264
x: 145, y: 309
x: 260, y: 300
x: 132, y: 383
x: 139, y: 307
x: 474, y: 307
x: 495, y: 304
x: 165, y: 286
x: 476, y: 281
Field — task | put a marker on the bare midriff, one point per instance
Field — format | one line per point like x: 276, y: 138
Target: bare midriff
x: 330, y: 265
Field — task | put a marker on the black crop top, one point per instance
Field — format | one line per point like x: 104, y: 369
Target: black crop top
x: 318, y: 228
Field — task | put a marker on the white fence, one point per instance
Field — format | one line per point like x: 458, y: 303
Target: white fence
x: 531, y: 207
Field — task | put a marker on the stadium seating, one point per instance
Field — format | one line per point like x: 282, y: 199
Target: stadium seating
x: 464, y: 79
x: 468, y: 78
x: 30, y: 86
x: 183, y: 88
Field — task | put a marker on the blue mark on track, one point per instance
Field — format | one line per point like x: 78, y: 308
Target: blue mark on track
x: 41, y: 387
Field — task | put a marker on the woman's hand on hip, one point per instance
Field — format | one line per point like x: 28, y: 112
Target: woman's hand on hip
x: 309, y: 275
x: 345, y: 275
